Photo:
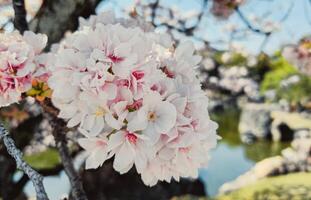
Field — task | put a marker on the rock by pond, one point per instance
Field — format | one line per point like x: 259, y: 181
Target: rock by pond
x: 255, y: 120
x: 285, y: 124
x: 296, y: 158
x: 265, y: 121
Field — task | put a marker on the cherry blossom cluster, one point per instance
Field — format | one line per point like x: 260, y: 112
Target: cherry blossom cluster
x: 19, y: 63
x: 224, y: 8
x: 300, y: 55
x: 134, y: 97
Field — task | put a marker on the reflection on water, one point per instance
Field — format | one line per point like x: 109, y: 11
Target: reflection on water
x: 225, y: 165
x: 228, y: 162
x: 230, y: 159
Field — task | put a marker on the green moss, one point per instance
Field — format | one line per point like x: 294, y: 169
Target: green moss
x: 295, y: 186
x: 44, y: 160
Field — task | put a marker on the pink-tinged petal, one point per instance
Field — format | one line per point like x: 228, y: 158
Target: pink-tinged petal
x: 111, y: 90
x: 96, y: 158
x: 88, y: 122
x: 140, y: 161
x: 37, y: 41
x: 166, y: 117
x: 167, y: 154
x: 138, y: 123
x: 98, y: 126
x: 180, y: 104
x: 122, y: 50
x: 74, y: 121
x: 148, y: 178
x: 152, y: 133
x: 184, y: 48
x: 120, y: 107
x: 86, y: 143
x: 152, y: 99
x: 113, y: 122
x: 115, y: 140
x: 68, y: 111
x: 124, y: 158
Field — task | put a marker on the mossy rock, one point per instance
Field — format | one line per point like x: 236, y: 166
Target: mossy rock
x: 295, y: 186
x: 47, y: 159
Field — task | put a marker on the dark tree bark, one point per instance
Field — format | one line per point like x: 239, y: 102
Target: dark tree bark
x: 20, y: 22
x: 59, y: 132
x: 33, y: 175
x: 61, y: 143
x: 55, y: 17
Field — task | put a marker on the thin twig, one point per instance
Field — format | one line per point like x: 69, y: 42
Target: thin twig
x: 13, y: 151
x: 248, y: 24
x: 20, y: 22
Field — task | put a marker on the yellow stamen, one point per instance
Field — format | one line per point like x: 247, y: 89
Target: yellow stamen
x: 152, y: 116
x: 100, y: 112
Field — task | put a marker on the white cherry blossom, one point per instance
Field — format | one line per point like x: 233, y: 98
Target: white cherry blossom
x: 135, y: 98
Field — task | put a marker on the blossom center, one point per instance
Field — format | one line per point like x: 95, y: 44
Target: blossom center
x: 100, y: 143
x: 184, y: 149
x: 115, y: 59
x: 131, y: 137
x: 152, y: 116
x: 138, y: 74
x: 100, y: 112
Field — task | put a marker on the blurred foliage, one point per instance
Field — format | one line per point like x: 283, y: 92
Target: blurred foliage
x: 270, y: 72
x: 299, y: 92
x: 47, y: 159
x: 235, y: 59
x: 280, y: 69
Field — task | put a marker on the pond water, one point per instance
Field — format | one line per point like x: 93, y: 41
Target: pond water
x: 230, y: 159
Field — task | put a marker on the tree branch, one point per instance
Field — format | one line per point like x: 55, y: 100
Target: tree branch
x: 20, y: 22
x: 78, y: 192
x: 55, y: 17
x: 58, y: 130
x: 34, y: 176
x: 249, y: 25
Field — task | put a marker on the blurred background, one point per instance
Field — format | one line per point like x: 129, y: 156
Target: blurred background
x: 256, y: 71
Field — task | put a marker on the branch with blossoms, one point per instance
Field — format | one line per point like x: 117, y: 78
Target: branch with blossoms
x: 131, y: 93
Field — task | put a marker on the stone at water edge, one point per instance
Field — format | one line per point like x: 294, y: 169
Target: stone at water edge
x: 294, y: 121
x: 296, y: 158
x: 255, y: 119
